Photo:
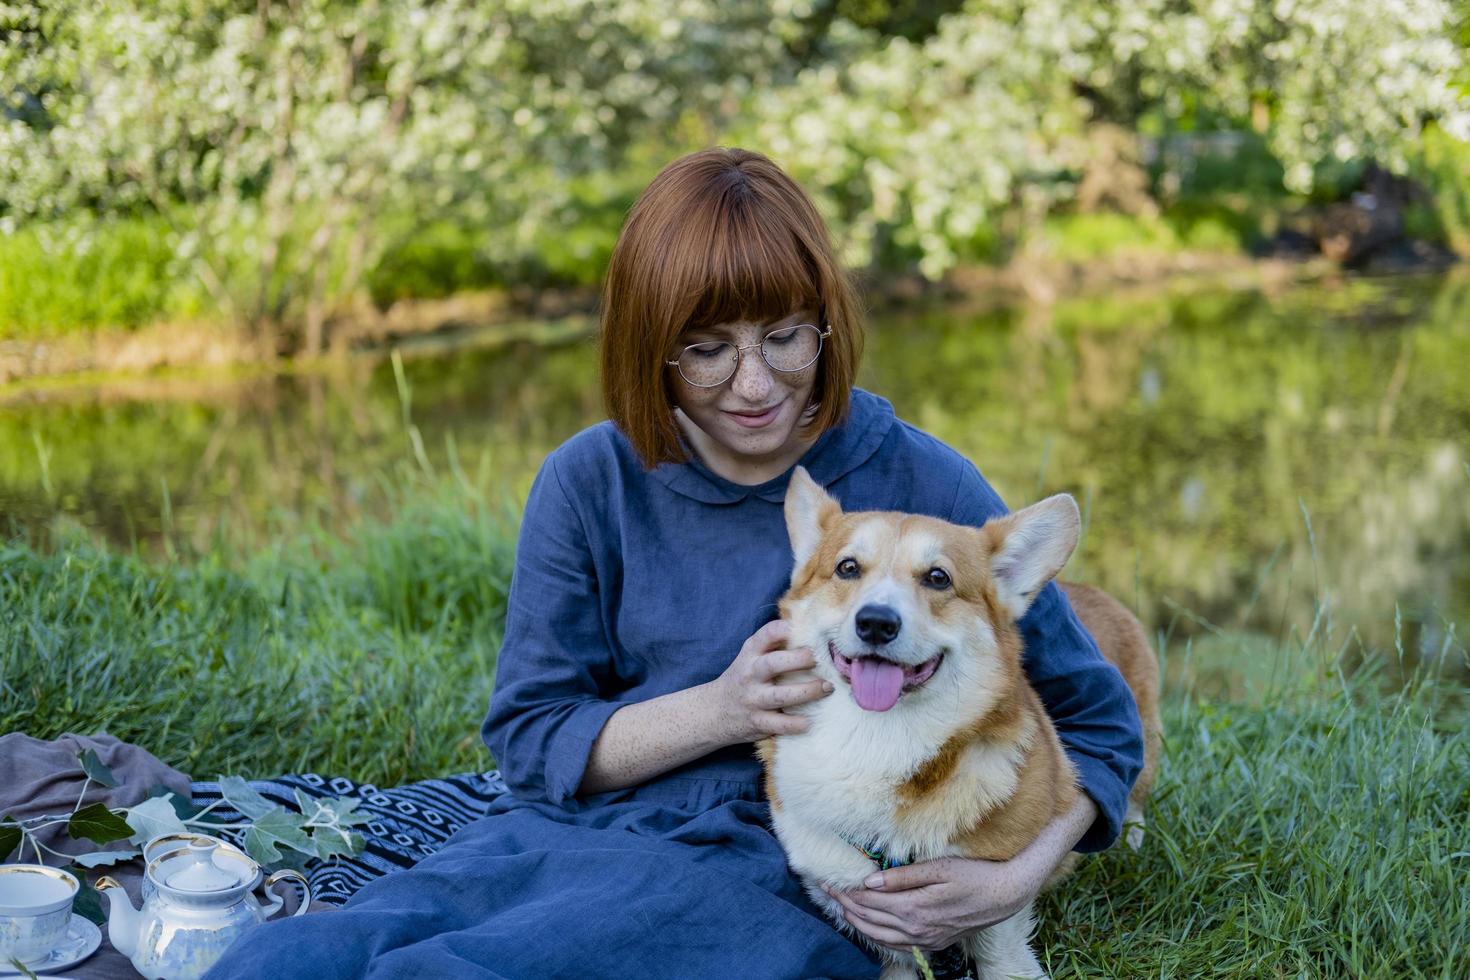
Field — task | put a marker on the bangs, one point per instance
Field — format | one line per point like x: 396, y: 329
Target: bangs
x: 756, y: 267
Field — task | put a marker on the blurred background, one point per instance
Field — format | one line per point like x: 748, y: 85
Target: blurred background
x: 316, y: 271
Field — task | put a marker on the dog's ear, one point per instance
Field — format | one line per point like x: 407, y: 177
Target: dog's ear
x: 810, y: 510
x: 1029, y: 547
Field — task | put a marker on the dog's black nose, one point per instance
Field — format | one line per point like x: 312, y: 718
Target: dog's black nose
x: 877, y: 624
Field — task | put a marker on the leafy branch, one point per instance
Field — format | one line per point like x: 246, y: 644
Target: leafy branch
x: 322, y: 828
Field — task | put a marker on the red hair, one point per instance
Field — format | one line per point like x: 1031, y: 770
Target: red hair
x: 719, y: 236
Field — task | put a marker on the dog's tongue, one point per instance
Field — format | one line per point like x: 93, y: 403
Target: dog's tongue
x: 876, y: 684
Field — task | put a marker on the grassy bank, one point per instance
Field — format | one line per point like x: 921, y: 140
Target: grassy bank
x: 1313, y: 824
x: 1302, y: 836
x: 371, y: 655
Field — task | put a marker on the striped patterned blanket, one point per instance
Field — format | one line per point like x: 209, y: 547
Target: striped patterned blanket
x: 407, y: 822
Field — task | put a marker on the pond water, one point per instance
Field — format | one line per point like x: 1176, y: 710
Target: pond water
x: 1249, y: 462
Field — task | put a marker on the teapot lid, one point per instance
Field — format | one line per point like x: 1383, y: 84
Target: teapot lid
x: 196, y: 870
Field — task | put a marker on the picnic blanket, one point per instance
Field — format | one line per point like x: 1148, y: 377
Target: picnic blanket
x: 406, y: 823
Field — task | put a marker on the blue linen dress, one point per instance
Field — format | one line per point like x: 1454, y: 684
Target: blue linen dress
x: 629, y: 585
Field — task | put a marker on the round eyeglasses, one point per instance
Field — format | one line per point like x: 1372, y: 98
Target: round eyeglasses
x: 787, y: 349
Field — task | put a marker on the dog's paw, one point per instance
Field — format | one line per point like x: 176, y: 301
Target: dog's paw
x: 1133, y: 822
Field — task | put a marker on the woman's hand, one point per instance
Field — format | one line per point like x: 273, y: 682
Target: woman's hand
x: 934, y: 904
x: 748, y: 699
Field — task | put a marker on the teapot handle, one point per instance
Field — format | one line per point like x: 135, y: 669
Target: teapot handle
x: 288, y: 874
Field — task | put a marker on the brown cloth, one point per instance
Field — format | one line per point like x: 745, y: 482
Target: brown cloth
x: 39, y: 778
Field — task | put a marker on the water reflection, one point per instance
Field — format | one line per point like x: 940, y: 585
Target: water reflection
x: 1259, y: 460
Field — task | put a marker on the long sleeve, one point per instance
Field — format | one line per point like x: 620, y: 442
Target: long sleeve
x: 555, y: 666
x: 1094, y: 713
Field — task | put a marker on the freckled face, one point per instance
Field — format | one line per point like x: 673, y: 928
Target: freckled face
x: 751, y: 421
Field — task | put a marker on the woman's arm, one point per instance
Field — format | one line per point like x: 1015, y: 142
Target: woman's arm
x: 647, y: 739
x: 555, y: 669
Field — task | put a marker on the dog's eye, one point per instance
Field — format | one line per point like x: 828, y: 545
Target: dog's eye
x: 847, y: 568
x: 936, y: 578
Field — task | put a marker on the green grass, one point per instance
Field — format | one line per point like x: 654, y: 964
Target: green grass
x: 1308, y: 836
x: 371, y: 655
x: 1306, y: 823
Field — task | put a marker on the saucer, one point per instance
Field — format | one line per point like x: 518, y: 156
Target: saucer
x: 81, y: 941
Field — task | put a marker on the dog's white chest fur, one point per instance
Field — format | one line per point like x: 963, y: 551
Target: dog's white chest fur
x: 839, y: 785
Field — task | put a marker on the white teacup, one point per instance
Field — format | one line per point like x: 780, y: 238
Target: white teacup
x: 35, y: 906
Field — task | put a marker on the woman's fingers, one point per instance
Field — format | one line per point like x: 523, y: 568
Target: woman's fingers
x: 770, y: 636
x: 780, y: 723
x: 781, y: 662
x: 880, y: 934
x: 873, y: 917
x: 788, y: 695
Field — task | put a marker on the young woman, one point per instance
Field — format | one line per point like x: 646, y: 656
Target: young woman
x: 642, y: 658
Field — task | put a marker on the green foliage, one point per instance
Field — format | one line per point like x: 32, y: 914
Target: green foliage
x: 992, y: 115
x: 1443, y: 163
x: 911, y: 19
x: 437, y: 259
x: 10, y: 837
x: 1194, y: 224
x: 84, y: 272
x: 319, y: 828
x: 435, y: 146
x: 1223, y: 224
x: 287, y: 132
x: 1221, y: 161
x: 96, y: 771
x: 1081, y: 237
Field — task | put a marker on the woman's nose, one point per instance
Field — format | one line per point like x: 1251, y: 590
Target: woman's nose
x: 752, y: 378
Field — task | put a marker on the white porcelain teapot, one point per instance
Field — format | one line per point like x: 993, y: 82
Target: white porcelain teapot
x: 198, y: 904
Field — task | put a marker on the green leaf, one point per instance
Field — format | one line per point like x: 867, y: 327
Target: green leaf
x: 88, y: 903
x: 183, y: 808
x: 331, y: 843
x: 10, y: 837
x: 99, y: 773
x: 273, y: 828
x: 153, y: 818
x: 98, y: 824
x: 334, y: 811
x: 238, y: 794
x: 102, y: 859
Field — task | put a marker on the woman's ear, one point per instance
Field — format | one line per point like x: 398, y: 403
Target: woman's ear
x: 810, y: 510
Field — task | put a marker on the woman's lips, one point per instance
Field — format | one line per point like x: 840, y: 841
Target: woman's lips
x: 757, y: 421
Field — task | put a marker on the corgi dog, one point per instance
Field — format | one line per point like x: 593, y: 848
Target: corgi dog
x: 933, y: 743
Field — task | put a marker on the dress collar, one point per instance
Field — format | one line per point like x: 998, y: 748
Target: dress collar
x: 837, y: 452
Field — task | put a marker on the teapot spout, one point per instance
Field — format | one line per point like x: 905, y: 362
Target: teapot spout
x: 122, y: 918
